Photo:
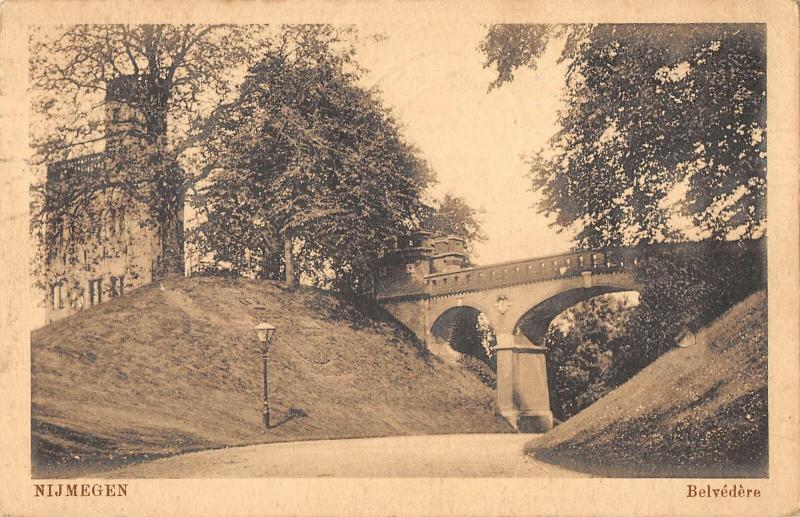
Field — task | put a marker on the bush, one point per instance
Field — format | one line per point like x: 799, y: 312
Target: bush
x: 685, y: 288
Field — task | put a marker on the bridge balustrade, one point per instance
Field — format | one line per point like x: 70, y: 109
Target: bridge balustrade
x: 531, y: 270
x: 517, y: 272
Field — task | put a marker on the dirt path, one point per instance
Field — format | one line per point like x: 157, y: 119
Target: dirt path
x: 459, y: 455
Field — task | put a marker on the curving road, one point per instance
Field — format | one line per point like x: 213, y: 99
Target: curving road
x: 459, y: 455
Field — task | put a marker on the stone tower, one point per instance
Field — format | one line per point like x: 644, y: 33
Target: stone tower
x: 122, y: 255
x: 416, y: 256
x: 134, y: 111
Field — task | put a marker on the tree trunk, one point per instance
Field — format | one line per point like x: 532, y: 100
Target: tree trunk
x: 172, y: 238
x: 288, y: 261
x: 167, y: 176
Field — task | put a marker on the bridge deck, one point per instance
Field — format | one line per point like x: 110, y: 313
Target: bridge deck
x: 517, y: 272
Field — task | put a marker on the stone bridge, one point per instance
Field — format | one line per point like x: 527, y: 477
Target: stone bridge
x: 425, y: 281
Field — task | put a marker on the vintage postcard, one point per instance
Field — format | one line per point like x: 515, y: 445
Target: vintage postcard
x: 400, y: 258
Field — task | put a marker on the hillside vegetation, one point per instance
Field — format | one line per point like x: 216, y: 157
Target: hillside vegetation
x: 694, y: 412
x: 174, y: 367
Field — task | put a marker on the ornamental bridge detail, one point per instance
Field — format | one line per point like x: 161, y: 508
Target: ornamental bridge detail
x: 425, y: 281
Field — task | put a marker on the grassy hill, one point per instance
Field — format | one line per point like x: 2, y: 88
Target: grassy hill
x: 174, y: 368
x: 695, y: 412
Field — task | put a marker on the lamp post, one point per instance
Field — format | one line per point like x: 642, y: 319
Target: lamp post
x: 264, y: 332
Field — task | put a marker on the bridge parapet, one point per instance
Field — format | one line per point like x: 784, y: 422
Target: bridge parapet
x: 532, y: 270
x: 518, y: 272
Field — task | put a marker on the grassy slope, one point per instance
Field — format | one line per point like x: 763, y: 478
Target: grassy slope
x: 699, y: 412
x: 163, y: 371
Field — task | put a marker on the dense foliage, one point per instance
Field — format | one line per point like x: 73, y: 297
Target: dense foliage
x: 453, y: 216
x: 662, y: 134
x: 471, y: 334
x: 599, y: 344
x: 318, y: 178
x: 581, y: 352
x: 684, y: 291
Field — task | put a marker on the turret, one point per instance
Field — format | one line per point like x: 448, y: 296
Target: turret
x: 402, y: 271
x: 449, y: 255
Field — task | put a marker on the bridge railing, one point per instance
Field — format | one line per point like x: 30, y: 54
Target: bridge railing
x: 517, y: 272
x: 532, y: 270
x: 563, y: 265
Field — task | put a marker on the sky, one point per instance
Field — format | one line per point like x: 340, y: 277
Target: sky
x: 476, y: 141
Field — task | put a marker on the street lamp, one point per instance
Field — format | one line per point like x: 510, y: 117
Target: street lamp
x: 264, y: 332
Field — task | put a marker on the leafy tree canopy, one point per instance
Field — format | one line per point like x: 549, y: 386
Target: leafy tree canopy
x: 661, y: 124
x: 453, y: 216
x: 316, y: 169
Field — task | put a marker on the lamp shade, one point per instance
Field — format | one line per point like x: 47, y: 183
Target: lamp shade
x: 264, y: 332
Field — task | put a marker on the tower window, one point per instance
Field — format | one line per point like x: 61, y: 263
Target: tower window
x: 117, y: 286
x: 95, y: 291
x: 56, y: 296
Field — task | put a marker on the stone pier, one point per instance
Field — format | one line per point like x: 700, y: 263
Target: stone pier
x: 522, y: 395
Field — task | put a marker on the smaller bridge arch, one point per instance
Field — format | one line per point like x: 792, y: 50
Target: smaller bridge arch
x: 444, y: 330
x: 471, y: 303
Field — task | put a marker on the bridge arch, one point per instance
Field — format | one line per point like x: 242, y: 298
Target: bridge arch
x: 562, y: 294
x: 535, y: 321
x: 446, y: 326
x: 472, y: 304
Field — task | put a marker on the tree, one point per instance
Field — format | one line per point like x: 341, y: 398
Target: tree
x: 316, y: 169
x: 152, y: 94
x: 453, y: 216
x: 660, y: 121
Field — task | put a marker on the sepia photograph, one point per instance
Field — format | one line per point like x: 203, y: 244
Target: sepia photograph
x: 403, y: 248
